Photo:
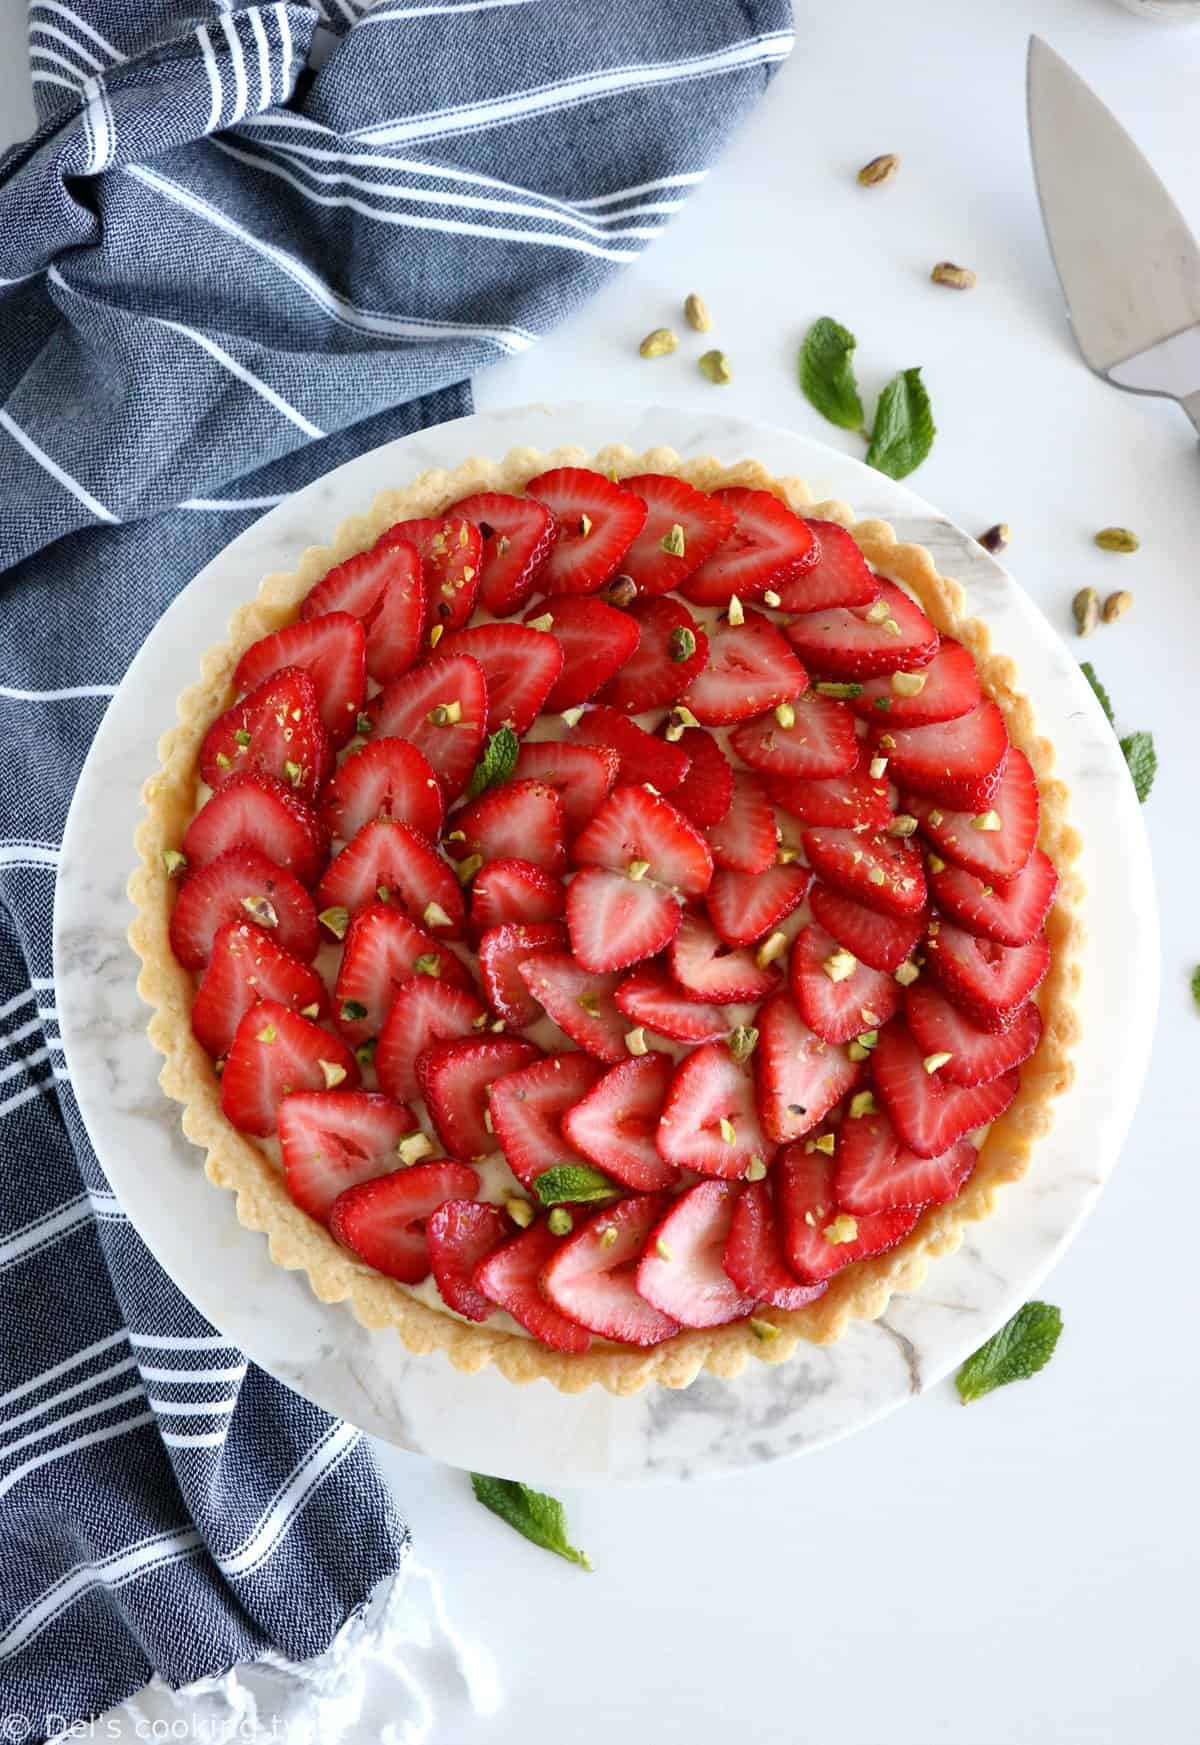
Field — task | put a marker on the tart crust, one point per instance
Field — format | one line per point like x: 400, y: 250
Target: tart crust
x: 863, y: 1290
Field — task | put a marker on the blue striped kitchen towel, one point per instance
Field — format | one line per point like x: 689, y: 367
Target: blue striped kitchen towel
x: 245, y: 244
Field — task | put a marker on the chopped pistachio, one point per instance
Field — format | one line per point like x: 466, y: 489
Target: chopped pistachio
x: 682, y: 644
x: 364, y: 723
x: 544, y: 621
x: 987, y: 821
x: 876, y: 613
x: 696, y: 312
x: 935, y: 818
x: 262, y: 910
x: 622, y: 591
x: 785, y: 854
x: 869, y: 1038
x: 715, y: 365
x: 334, y: 1074
x: 840, y: 965
x: 428, y: 964
x: 635, y: 1041
x: 887, y: 742
x: 879, y: 170
x: 590, y: 1002
x: 364, y: 1054
x: 413, y: 1147
x: 313, y: 1011
x: 891, y: 627
x: 756, y: 1169
x: 735, y: 612
x: 560, y: 1222
x: 293, y: 772
x: 607, y: 1235
x: 436, y: 634
x: 957, y: 278
x: 434, y: 915
x: 727, y: 1130
x: 907, y: 974
x: 863, y: 1103
x: 585, y: 526
x: 384, y: 893
x: 764, y: 1330
x: 997, y: 537
x: 637, y: 869
x: 876, y: 876
x: 673, y: 732
x: 456, y: 836
x: 445, y: 714
x: 857, y: 1053
x: 936, y: 863
x: 519, y: 1210
x: 771, y: 598
x: 843, y: 1229
x: 174, y: 862
x: 773, y: 946
x: 908, y: 684
x: 1116, y: 605
x: 353, y: 1011
x: 878, y: 768
x: 661, y: 342
x: 785, y: 714
x: 572, y: 717
x: 742, y: 1042
x: 841, y: 688
x: 467, y: 868
x: 826, y: 1144
x: 1085, y: 609
x: 684, y: 716
x: 1117, y: 539
x: 674, y: 543
x: 903, y: 824
x: 935, y: 1062
x: 266, y: 1034
x: 662, y: 1251
x: 222, y: 760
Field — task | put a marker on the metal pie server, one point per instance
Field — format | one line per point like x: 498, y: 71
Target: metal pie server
x: 1128, y: 264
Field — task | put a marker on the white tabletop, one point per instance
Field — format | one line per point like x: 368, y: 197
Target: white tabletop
x: 1022, y: 1572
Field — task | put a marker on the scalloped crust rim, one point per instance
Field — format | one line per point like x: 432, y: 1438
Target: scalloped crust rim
x: 296, y: 1242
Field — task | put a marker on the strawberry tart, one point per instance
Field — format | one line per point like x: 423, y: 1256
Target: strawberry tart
x: 609, y: 916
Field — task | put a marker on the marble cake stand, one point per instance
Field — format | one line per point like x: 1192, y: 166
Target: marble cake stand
x: 534, y: 1433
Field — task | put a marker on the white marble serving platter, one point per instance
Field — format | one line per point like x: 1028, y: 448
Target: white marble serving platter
x: 533, y: 1433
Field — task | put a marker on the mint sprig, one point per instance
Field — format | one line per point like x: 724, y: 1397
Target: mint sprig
x: 1089, y: 673
x: 1021, y: 1347
x: 827, y: 373
x: 497, y: 763
x: 538, y: 1517
x: 1196, y: 988
x: 1142, y: 759
x: 904, y: 429
x: 572, y: 1184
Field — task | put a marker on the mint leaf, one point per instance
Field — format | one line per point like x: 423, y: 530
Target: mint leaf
x: 1142, y: 759
x: 572, y: 1184
x: 1089, y: 673
x: 539, y: 1517
x: 497, y: 763
x: 827, y: 373
x: 904, y: 428
x: 1021, y: 1347
x: 1196, y: 988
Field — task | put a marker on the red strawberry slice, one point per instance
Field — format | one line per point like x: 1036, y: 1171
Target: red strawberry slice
x: 988, y: 982
x: 681, y: 1272
x: 706, y: 793
x: 383, y: 1220
x: 518, y: 820
x: 451, y: 553
x: 635, y: 828
x: 853, y: 801
x: 242, y: 885
x: 977, y: 1056
x: 527, y: 1107
x: 950, y: 689
x: 615, y: 1123
x: 648, y: 996
x: 993, y: 854
x: 597, y: 523
x: 615, y: 920
x: 332, y: 650
x: 817, y: 1240
x: 583, y: 775
x: 767, y: 547
x: 591, y: 1277
x: 839, y: 577
x: 332, y: 1140
x: 929, y: 1111
x: 388, y: 778
x: 859, y: 642
x: 596, y: 640
x: 516, y: 535
x: 455, y: 1080
x: 811, y: 738
x: 426, y: 1011
x: 744, y: 840
x: 273, y: 1053
x: 750, y: 669
x: 659, y: 558
x: 708, y: 970
x: 501, y: 952
x: 671, y: 651
x: 1010, y: 911
x: 880, y: 941
x: 461, y: 1235
x: 520, y: 666
x: 956, y: 763
x: 643, y: 757
x: 509, y: 1278
x: 254, y: 811
x: 881, y: 872
x: 275, y: 731
x: 754, y: 1257
x: 383, y: 950
x: 579, y: 1001
x: 874, y: 1173
x: 800, y: 1077
x: 514, y: 890
x: 744, y: 906
x: 843, y: 1008
x: 387, y: 862
x: 247, y: 966
x: 710, y: 1121
x: 382, y: 588
x: 441, y: 708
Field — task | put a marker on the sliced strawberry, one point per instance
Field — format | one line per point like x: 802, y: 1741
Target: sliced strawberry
x: 993, y: 854
x: 881, y: 872
x: 461, y: 1235
x: 426, y: 1011
x: 332, y: 1140
x: 928, y: 1110
x: 681, y: 1271
x: 501, y: 952
x: 852, y: 801
x: 451, y: 553
x: 580, y: 1003
x: 817, y: 1241
x: 838, y: 1010
x: 615, y: 920
x: 1010, y: 911
x: 648, y: 996
x: 520, y: 667
x: 672, y: 650
x: 880, y: 941
x: 744, y: 906
x: 247, y: 965
x: 643, y: 757
x: 710, y: 1121
x: 615, y: 1123
x: 706, y: 793
x: 976, y: 1056
x: 768, y: 546
x: 636, y: 828
x: 514, y: 890
x: 659, y: 558
x: 859, y: 642
x: 388, y: 778
x: 275, y: 731
x: 384, y: 590
x: 988, y: 982
x: 509, y: 1278
x: 950, y: 689
x: 754, y: 1257
x: 592, y: 1278
x: 441, y: 708
x: 527, y: 1107
x: 255, y: 811
x: 744, y: 839
x: 242, y: 885
x: 387, y: 862
x: 382, y: 951
x: 811, y: 738
x: 874, y: 1173
x: 596, y: 640
x: 383, y: 1220
x: 273, y: 1053
x: 839, y: 577
x: 516, y: 535
x: 799, y: 1076
x: 956, y: 763
x: 583, y: 775
x: 332, y: 650
x: 750, y: 669
x: 708, y: 970
x: 597, y: 523
x: 455, y: 1080
x: 516, y: 820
